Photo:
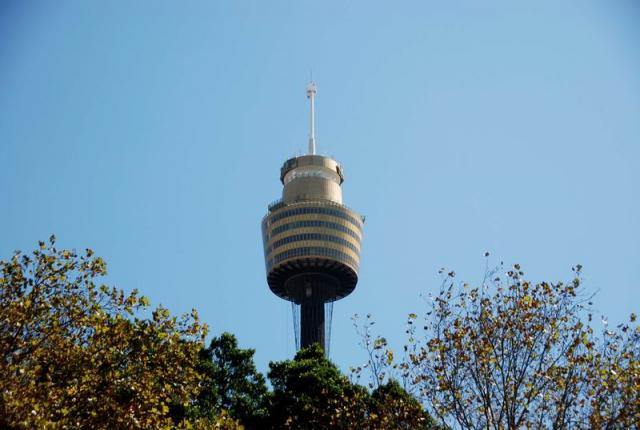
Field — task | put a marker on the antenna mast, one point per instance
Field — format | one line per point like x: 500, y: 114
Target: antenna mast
x: 311, y: 94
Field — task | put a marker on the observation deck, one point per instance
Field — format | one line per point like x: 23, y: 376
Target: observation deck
x: 313, y: 236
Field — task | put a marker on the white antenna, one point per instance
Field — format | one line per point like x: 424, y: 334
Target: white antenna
x: 311, y: 94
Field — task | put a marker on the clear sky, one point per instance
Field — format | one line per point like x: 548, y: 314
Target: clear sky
x: 154, y: 131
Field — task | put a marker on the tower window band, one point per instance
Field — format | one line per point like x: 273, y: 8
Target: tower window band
x: 315, y: 210
x: 314, y: 223
x: 311, y: 236
x: 313, y: 251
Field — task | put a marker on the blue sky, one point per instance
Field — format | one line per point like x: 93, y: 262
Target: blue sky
x: 153, y: 132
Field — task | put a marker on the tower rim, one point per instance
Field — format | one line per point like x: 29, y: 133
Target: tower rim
x: 346, y: 276
x: 315, y: 160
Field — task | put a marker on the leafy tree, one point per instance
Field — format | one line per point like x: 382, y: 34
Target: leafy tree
x: 309, y: 392
x: 612, y: 398
x: 392, y: 407
x: 231, y: 383
x: 78, y: 355
x: 512, y: 354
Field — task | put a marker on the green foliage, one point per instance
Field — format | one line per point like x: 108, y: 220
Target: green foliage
x: 309, y: 392
x: 392, y: 407
x: 231, y: 383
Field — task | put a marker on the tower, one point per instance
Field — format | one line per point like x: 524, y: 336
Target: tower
x: 311, y: 240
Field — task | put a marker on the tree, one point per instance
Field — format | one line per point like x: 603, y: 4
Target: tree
x: 393, y: 408
x: 612, y: 400
x: 231, y: 383
x: 512, y: 354
x: 309, y: 392
x: 78, y: 355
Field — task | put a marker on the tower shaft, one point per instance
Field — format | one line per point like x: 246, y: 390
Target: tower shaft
x: 312, y: 323
x: 311, y: 291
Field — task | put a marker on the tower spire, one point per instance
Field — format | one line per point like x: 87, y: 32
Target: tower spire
x: 311, y: 94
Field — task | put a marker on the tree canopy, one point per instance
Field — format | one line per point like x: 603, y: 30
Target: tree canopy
x: 512, y: 354
x: 506, y: 354
x: 309, y: 392
x: 229, y: 383
x: 76, y: 354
